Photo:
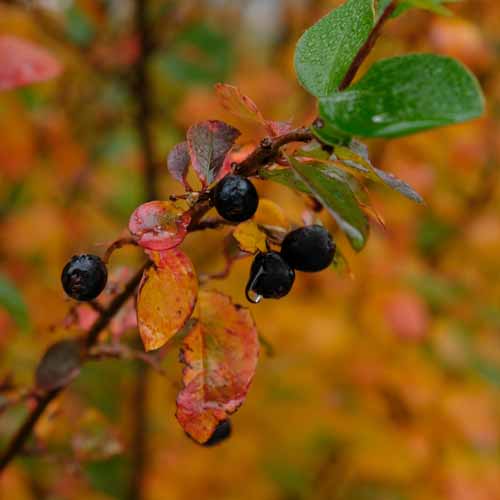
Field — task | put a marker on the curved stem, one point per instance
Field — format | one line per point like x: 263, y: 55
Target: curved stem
x: 367, y: 47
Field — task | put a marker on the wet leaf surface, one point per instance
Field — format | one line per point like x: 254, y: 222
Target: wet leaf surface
x: 159, y: 225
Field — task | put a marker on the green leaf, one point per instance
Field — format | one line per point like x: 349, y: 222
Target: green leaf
x: 359, y: 162
x: 326, y: 50
x: 12, y: 301
x: 404, y: 95
x: 332, y: 190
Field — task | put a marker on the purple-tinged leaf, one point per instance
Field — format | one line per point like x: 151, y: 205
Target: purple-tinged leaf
x: 209, y: 142
x: 178, y: 163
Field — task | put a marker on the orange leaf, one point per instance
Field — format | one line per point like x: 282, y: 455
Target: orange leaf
x: 22, y: 63
x: 159, y: 225
x: 238, y: 104
x: 166, y: 299
x: 220, y: 354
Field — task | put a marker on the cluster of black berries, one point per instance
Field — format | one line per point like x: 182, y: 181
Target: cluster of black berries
x: 84, y: 277
x: 308, y: 249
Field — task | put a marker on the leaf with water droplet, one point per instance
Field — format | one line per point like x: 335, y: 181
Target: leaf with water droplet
x: 159, y: 225
x: 220, y: 354
x: 404, y: 95
x: 325, y: 51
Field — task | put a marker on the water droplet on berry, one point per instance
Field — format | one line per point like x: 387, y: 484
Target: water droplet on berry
x: 251, y: 294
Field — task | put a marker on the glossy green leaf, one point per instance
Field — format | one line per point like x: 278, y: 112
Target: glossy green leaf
x: 404, y: 95
x: 325, y: 51
x: 333, y: 191
x: 12, y: 301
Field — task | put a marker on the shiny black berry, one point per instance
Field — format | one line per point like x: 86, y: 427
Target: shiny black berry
x: 84, y: 277
x: 270, y: 277
x: 221, y: 433
x: 235, y: 198
x: 309, y: 248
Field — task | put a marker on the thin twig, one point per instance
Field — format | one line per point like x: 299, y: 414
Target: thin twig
x: 367, y: 46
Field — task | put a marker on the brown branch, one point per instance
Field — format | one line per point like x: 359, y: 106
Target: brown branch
x: 269, y: 150
x: 21, y: 436
x: 367, y: 47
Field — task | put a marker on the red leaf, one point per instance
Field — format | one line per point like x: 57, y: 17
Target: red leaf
x: 22, y: 63
x: 159, y: 225
x: 220, y: 354
x: 178, y: 163
x: 166, y: 299
x: 209, y: 142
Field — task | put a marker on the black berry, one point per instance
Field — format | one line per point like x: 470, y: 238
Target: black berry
x: 221, y: 433
x: 270, y: 277
x: 235, y: 198
x: 84, y: 277
x: 309, y: 248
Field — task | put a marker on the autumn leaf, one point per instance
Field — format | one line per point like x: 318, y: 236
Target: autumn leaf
x: 220, y: 354
x: 178, y: 163
x: 159, y: 225
x: 249, y: 237
x: 237, y: 103
x: 166, y: 299
x: 23, y: 63
x: 242, y: 106
x: 209, y: 142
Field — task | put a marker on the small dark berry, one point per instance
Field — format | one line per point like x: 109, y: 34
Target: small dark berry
x: 270, y: 277
x: 221, y: 433
x: 235, y: 198
x: 84, y: 277
x: 308, y: 248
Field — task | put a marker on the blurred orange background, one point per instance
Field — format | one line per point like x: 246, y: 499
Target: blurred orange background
x: 384, y: 386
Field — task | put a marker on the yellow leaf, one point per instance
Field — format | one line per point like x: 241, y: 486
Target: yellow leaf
x: 249, y: 237
x: 167, y: 296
